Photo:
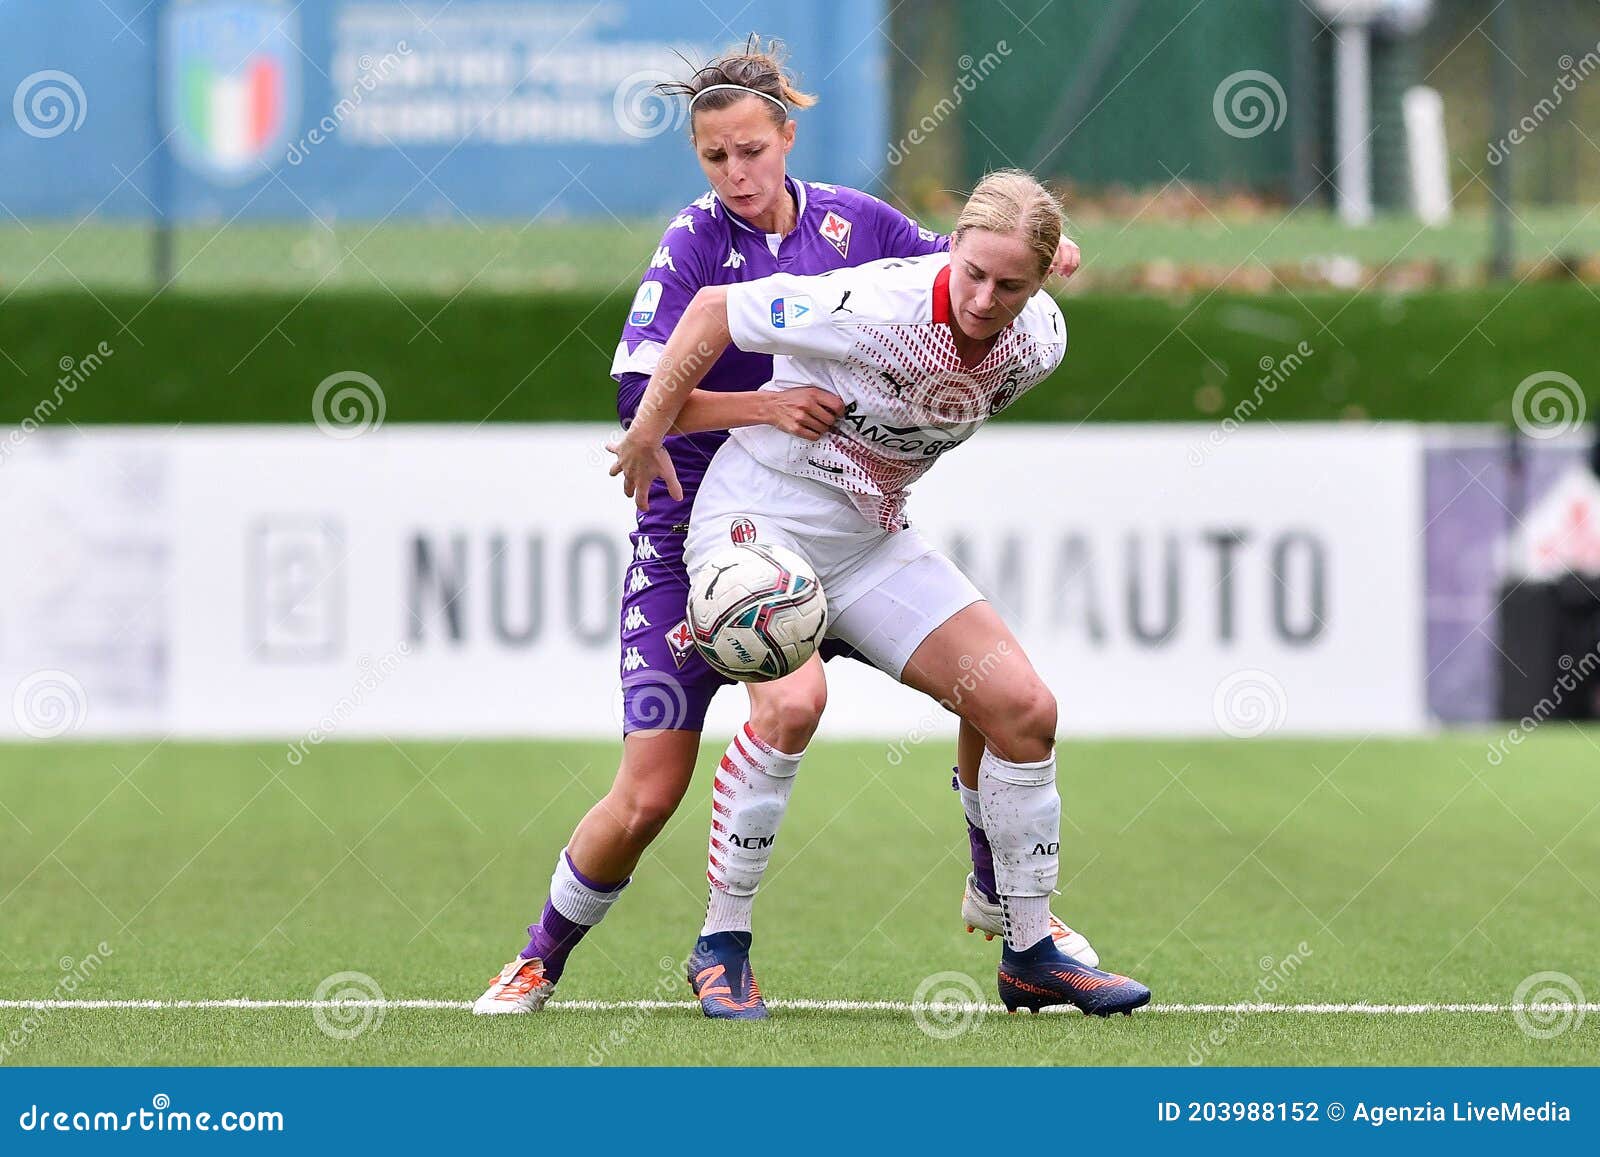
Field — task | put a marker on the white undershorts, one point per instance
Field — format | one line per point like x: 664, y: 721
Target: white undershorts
x: 887, y: 590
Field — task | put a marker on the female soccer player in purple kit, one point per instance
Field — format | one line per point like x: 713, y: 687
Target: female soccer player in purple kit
x: 755, y: 221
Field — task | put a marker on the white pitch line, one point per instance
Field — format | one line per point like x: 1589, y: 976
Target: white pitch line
x: 799, y: 1005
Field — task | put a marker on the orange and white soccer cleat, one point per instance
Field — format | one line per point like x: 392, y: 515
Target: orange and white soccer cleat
x: 520, y: 987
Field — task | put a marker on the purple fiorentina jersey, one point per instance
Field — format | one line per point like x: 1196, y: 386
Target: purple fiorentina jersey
x: 665, y: 682
x: 707, y: 245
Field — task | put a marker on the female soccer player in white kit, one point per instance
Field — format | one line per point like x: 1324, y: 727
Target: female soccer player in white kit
x: 921, y: 351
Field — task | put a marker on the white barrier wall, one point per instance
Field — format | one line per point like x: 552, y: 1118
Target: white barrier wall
x: 447, y: 581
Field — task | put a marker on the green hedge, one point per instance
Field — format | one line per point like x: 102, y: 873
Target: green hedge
x: 1438, y: 356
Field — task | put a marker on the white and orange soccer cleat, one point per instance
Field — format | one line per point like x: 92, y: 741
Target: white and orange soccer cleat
x: 520, y: 987
x: 980, y: 915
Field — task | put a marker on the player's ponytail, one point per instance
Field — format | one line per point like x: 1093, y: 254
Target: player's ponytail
x: 1013, y: 201
x: 757, y: 68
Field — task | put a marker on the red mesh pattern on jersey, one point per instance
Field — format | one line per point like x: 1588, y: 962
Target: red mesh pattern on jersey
x: 911, y: 400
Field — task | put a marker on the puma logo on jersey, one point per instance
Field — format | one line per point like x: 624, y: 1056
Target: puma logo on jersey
x: 841, y: 305
x: 894, y: 383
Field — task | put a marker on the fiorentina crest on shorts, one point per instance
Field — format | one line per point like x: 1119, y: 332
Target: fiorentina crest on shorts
x: 231, y: 90
x: 837, y: 232
x: 681, y: 640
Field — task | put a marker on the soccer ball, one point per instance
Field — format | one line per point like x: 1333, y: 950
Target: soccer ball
x: 756, y: 611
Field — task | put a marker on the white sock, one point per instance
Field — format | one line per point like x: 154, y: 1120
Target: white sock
x: 969, y: 803
x: 1022, y: 818
x: 576, y: 900
x: 748, y: 799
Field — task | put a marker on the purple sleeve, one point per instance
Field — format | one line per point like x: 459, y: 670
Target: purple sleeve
x: 903, y: 237
x: 630, y: 392
x: 677, y: 270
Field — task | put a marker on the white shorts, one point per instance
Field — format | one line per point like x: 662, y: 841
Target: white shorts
x: 887, y: 590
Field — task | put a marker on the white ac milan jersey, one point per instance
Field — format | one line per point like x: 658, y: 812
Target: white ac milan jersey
x: 878, y: 335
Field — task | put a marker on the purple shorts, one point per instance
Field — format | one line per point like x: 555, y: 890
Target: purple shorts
x: 666, y: 685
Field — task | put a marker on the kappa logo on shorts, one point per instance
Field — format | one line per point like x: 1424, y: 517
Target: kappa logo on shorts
x: 681, y: 640
x: 742, y: 531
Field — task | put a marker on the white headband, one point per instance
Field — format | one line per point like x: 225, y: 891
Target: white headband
x: 739, y: 88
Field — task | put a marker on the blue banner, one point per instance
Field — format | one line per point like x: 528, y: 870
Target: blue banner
x: 857, y: 1110
x: 216, y: 110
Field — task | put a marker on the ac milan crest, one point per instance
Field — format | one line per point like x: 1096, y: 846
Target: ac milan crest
x: 742, y: 531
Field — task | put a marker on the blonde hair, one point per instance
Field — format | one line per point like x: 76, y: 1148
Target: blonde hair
x: 1010, y: 201
x: 757, y: 67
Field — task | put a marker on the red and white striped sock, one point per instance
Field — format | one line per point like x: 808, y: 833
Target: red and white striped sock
x: 748, y: 799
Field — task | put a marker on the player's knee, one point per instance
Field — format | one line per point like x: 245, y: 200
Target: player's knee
x: 787, y: 717
x: 1026, y: 727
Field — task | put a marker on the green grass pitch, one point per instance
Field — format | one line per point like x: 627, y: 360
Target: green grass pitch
x: 1390, y: 872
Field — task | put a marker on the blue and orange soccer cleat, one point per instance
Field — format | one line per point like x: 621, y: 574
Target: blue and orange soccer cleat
x: 719, y: 972
x: 1043, y: 976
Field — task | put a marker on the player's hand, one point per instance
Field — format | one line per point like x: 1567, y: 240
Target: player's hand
x: 805, y: 411
x: 640, y: 465
x: 1068, y: 258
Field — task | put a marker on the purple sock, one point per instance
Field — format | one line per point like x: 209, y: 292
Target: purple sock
x: 555, y: 935
x: 551, y: 939
x: 982, y: 862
